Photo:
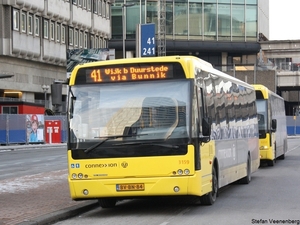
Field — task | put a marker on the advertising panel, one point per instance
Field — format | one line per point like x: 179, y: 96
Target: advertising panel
x: 35, y: 128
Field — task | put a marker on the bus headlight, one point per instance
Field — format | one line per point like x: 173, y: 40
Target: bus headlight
x: 263, y: 147
x: 74, y: 176
x: 179, y: 172
x: 80, y: 175
x: 186, y: 171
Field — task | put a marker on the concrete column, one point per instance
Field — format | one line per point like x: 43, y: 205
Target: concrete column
x: 224, y: 61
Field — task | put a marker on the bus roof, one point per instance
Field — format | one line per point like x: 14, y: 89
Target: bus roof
x: 265, y: 91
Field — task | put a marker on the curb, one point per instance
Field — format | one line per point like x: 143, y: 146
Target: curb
x: 62, y: 214
x: 33, y: 146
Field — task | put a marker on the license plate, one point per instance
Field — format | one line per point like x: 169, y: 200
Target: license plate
x: 130, y: 187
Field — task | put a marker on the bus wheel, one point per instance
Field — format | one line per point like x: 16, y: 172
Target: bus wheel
x: 107, y: 202
x: 247, y: 178
x: 271, y: 162
x: 211, y: 197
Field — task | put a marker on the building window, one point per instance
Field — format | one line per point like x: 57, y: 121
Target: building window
x: 104, y: 43
x: 16, y: 18
x: 63, y: 34
x: 9, y: 109
x: 79, y: 3
x: 85, y: 40
x: 74, y: 2
x: 99, y: 7
x: 46, y: 29
x: 107, y: 10
x: 57, y: 32
x: 80, y: 39
x: 30, y: 24
x: 95, y: 6
x: 238, y: 22
x: 224, y: 22
x: 100, y: 43
x: 37, y: 26
x: 23, y: 22
x: 103, y: 9
x: 210, y: 21
x: 76, y: 38
x: 89, y: 5
x: 84, y: 4
x: 96, y: 42
x: 71, y: 38
x: 92, y: 42
x: 52, y: 30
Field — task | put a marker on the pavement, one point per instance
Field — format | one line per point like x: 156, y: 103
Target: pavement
x: 43, y: 203
x: 38, y: 201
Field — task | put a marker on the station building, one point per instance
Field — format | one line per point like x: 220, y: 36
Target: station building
x: 222, y: 32
x: 34, y: 38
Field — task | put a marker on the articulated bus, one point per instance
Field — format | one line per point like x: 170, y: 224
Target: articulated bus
x: 158, y: 126
x: 271, y: 124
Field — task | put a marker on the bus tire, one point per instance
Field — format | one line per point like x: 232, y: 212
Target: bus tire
x: 247, y: 178
x: 107, y: 202
x: 284, y: 151
x: 271, y: 162
x: 211, y: 197
x: 282, y: 156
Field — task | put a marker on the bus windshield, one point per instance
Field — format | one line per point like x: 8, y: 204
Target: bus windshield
x: 262, y: 114
x: 129, y: 112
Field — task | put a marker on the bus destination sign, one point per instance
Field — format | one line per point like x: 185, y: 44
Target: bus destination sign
x: 128, y: 73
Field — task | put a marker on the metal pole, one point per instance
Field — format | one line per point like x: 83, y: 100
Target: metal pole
x: 45, y: 89
x: 124, y: 29
x: 124, y: 25
x: 45, y: 92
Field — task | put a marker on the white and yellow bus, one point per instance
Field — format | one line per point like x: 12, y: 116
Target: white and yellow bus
x: 158, y: 126
x: 271, y: 124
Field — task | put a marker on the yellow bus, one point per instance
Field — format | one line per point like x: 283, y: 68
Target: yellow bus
x: 158, y: 126
x: 271, y: 124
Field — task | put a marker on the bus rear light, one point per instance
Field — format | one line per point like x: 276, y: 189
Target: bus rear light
x: 176, y: 189
x: 85, y: 192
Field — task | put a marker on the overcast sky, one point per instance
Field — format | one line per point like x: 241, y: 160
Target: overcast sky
x: 284, y: 19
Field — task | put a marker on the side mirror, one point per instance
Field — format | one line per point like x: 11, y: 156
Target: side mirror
x: 206, y: 126
x: 73, y: 99
x: 273, y: 125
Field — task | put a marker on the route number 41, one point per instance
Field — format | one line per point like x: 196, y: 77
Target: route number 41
x: 151, y: 41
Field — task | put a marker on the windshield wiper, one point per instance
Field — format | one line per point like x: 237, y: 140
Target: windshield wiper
x: 142, y: 143
x: 109, y: 138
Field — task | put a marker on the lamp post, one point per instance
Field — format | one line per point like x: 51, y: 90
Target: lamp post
x: 124, y: 24
x: 45, y: 89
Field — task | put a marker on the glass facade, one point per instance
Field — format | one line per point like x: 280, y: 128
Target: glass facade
x: 205, y: 20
